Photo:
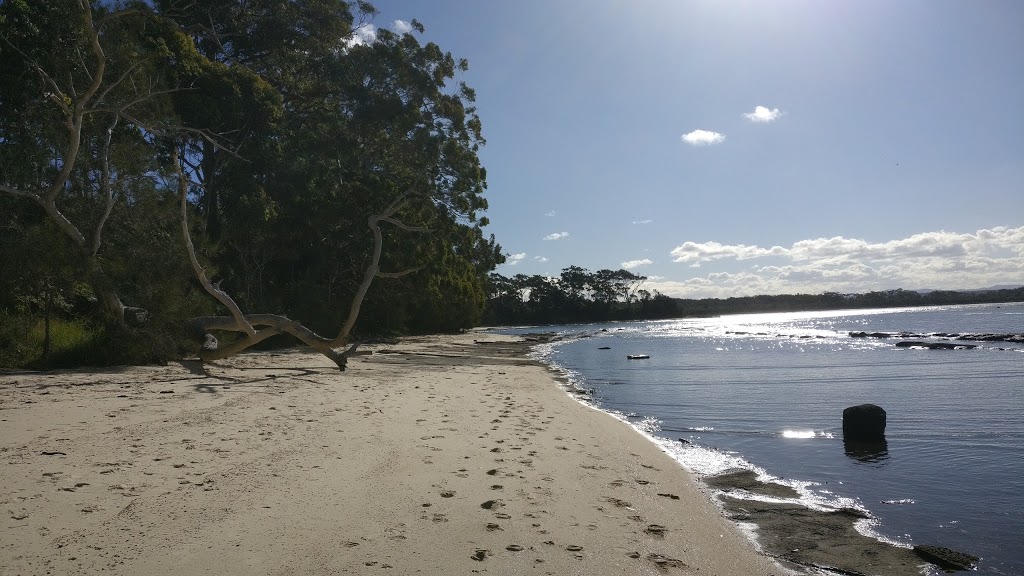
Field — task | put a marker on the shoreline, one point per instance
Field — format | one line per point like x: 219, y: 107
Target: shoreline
x: 436, y: 455
x: 802, y: 537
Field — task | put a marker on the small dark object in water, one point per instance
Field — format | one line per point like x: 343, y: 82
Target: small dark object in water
x: 945, y: 558
x: 684, y: 441
x: 605, y: 348
x: 637, y: 357
x: 864, y: 423
x: 934, y: 345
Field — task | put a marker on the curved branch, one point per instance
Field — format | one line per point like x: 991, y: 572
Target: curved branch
x: 18, y: 192
x: 106, y: 187
x: 373, y: 269
x: 399, y: 274
x: 220, y: 295
x: 275, y: 324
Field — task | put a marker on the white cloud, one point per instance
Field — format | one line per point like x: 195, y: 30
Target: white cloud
x: 364, y: 34
x: 939, y: 260
x: 642, y: 221
x: 402, y: 27
x: 514, y: 259
x: 549, y: 214
x: 540, y: 259
x: 703, y: 138
x: 630, y: 264
x: 708, y: 251
x: 762, y: 114
x: 557, y: 236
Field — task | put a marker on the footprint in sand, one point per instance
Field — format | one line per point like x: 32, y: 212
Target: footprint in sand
x: 447, y: 493
x: 664, y: 562
x: 656, y: 530
x: 480, y: 555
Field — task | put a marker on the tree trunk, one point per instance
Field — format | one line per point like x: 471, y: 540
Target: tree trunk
x: 106, y: 295
x: 210, y: 196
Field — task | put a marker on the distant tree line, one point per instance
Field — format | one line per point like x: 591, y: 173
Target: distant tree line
x: 578, y: 295
x: 173, y: 169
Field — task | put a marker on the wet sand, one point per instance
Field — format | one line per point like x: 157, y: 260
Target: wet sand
x: 439, y: 455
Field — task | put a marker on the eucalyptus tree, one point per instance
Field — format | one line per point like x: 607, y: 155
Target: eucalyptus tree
x: 376, y: 145
x: 77, y: 83
x: 304, y: 151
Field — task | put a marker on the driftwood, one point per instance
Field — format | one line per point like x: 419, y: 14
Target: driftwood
x: 259, y: 327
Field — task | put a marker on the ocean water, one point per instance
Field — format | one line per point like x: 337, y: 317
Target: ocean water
x: 767, y: 392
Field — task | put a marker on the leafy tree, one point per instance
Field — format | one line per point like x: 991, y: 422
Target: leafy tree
x: 221, y: 109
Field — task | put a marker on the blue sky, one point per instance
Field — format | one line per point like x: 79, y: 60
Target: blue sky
x: 887, y: 152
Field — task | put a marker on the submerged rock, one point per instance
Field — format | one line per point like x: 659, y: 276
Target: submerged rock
x: 864, y: 423
x: 743, y: 479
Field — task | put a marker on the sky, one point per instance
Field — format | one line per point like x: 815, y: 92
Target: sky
x: 730, y: 148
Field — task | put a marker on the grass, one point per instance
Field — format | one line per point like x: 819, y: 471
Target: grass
x: 22, y: 338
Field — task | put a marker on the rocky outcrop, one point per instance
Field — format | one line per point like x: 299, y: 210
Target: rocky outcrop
x: 1013, y: 338
x: 949, y: 560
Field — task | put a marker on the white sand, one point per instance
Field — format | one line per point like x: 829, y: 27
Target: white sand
x: 435, y: 456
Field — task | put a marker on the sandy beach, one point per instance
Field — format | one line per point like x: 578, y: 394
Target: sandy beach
x: 439, y: 455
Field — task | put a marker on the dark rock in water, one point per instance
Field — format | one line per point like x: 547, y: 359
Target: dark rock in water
x: 933, y: 345
x: 864, y: 423
x: 949, y: 560
x: 870, y: 335
x: 605, y: 348
x: 992, y: 337
x: 684, y: 441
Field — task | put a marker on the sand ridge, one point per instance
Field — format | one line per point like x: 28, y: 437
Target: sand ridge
x: 439, y: 455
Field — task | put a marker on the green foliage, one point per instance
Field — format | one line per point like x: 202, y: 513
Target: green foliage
x: 22, y: 336
x: 292, y: 136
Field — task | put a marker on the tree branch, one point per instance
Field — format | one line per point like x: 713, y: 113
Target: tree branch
x: 373, y: 269
x: 242, y: 324
x: 106, y: 187
x: 399, y: 274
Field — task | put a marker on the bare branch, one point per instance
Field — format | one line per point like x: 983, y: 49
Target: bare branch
x: 276, y: 324
x: 17, y: 192
x: 399, y: 274
x: 242, y: 324
x: 101, y: 58
x: 405, y: 227
x: 106, y: 187
x: 116, y: 83
x: 373, y: 269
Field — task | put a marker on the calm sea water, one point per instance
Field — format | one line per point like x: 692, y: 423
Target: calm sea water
x: 767, y: 392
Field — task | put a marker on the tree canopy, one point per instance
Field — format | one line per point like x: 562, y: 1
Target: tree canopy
x: 299, y: 151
